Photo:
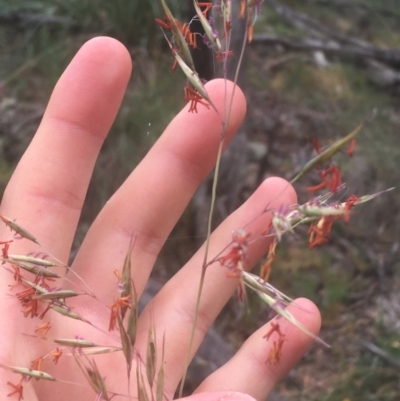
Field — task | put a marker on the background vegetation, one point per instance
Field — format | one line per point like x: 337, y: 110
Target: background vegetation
x: 315, y: 69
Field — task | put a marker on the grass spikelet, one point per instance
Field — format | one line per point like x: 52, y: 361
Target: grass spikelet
x: 36, y: 270
x: 315, y: 209
x: 178, y: 37
x: 62, y: 294
x: 193, y: 78
x: 36, y: 374
x: 133, y: 318
x: 311, y: 210
x: 66, y: 312
x: 281, y: 309
x: 367, y: 198
x: 258, y: 284
x: 126, y: 345
x: 215, y: 43
x: 326, y: 155
x: 74, y: 342
x: 160, y: 377
x: 226, y: 8
x: 126, y: 280
x: 278, y: 301
x: 92, y: 375
x: 141, y: 388
x: 19, y: 230
x: 151, y: 357
x: 99, y: 350
x: 33, y: 260
x: 40, y: 289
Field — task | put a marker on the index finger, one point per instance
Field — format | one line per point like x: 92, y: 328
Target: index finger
x: 46, y: 192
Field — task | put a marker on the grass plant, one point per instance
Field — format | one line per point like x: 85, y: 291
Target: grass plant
x: 37, y: 282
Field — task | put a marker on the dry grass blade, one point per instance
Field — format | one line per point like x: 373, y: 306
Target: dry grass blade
x: 327, y: 154
x: 36, y: 374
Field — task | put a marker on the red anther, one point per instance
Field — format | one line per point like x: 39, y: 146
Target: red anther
x: 314, y: 141
x: 352, y: 146
x: 194, y: 97
x: 320, y: 232
x: 274, y: 328
x: 207, y: 6
x: 222, y: 55
x: 116, y: 308
x: 18, y: 389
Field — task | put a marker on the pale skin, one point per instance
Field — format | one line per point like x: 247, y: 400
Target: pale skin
x: 45, y: 195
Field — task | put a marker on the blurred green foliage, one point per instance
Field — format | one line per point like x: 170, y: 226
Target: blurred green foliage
x: 128, y: 20
x: 370, y: 378
x: 45, y: 34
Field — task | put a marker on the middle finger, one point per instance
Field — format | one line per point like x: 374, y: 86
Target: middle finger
x: 149, y: 203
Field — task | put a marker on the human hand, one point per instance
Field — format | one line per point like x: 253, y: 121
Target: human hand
x: 45, y: 196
